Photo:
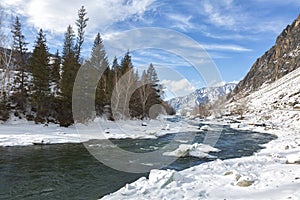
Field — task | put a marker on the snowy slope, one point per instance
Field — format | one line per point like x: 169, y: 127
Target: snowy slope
x: 200, y: 96
x: 275, y: 103
x: 273, y: 173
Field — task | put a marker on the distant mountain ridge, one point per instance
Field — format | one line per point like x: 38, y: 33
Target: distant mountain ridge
x: 278, y: 61
x: 201, y: 96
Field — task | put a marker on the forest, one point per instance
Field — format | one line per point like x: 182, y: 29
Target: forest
x: 38, y: 85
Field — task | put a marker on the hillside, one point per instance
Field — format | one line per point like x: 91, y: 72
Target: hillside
x: 278, y: 61
x: 276, y: 104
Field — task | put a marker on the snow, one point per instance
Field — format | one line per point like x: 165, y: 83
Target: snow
x: 195, y: 150
x: 265, y: 175
x: 272, y: 173
x: 188, y: 103
x: 18, y: 132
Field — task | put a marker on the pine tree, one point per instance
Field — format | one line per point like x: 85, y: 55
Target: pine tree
x: 99, y: 61
x: 115, y: 67
x: 70, y: 68
x: 115, y: 73
x: 40, y: 69
x: 151, y: 73
x: 20, y: 63
x: 69, y: 42
x: 81, y: 24
x: 155, y: 89
x: 71, y: 65
x: 126, y: 63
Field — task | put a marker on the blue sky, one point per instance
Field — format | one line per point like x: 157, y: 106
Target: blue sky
x: 234, y: 33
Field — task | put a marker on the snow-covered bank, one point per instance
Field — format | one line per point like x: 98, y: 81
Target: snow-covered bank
x: 272, y: 173
x: 21, y: 132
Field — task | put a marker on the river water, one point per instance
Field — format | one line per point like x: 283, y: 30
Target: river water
x: 69, y: 171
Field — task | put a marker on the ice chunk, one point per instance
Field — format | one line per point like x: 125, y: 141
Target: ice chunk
x: 196, y: 150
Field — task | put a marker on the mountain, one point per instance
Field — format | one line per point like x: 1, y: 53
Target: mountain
x: 275, y: 104
x: 200, y: 96
x: 278, y: 61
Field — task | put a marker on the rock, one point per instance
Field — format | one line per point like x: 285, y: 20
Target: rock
x: 237, y: 177
x: 228, y: 173
x: 287, y: 147
x: 244, y: 183
x: 297, y: 107
x: 280, y: 60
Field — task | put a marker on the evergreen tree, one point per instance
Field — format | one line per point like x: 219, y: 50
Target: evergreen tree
x: 71, y: 65
x: 115, y: 67
x: 115, y: 73
x: 70, y: 68
x: 69, y: 42
x: 126, y: 63
x: 99, y: 61
x: 152, y: 75
x: 99, y: 58
x: 154, y: 89
x: 20, y: 63
x: 81, y: 24
x: 40, y: 69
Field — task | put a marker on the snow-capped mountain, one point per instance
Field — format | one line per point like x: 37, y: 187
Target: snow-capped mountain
x: 201, y: 96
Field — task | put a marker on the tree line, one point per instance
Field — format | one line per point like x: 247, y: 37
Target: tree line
x: 43, y: 82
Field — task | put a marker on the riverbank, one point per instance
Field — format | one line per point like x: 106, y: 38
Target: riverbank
x: 272, y: 173
x: 18, y: 132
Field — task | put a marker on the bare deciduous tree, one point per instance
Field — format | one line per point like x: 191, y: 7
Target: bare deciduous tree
x: 5, y: 56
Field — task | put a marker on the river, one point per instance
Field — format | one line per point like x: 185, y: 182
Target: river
x: 69, y: 171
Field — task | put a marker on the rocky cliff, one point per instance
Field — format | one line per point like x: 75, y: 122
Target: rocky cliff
x: 280, y: 60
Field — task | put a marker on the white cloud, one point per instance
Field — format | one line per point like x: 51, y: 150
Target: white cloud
x: 181, y: 22
x: 217, y: 16
x: 178, y: 87
x: 56, y: 15
x: 225, y: 47
x: 237, y: 17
